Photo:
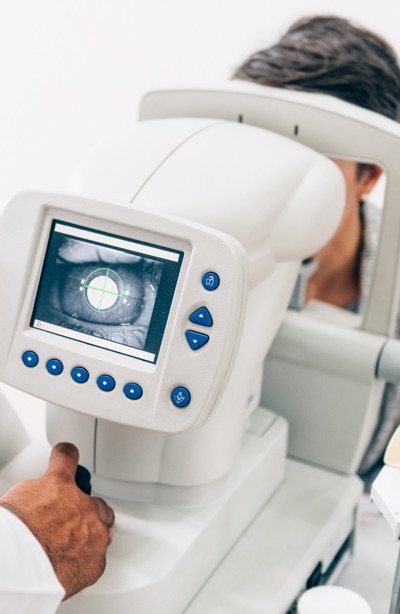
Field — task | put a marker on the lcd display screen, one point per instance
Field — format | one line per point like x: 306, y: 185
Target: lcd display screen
x: 106, y: 290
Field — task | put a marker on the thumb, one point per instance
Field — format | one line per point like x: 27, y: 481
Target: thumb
x: 63, y: 461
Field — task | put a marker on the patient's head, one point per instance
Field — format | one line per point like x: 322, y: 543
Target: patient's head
x: 330, y: 55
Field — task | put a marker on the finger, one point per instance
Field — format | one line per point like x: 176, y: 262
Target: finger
x: 63, y: 461
x: 105, y: 512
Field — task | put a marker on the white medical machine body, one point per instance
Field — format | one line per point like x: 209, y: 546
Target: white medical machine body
x: 196, y: 160
x: 79, y: 258
x: 320, y: 373
x: 211, y: 172
x: 264, y: 199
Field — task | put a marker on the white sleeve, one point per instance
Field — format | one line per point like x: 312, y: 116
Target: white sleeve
x: 28, y: 583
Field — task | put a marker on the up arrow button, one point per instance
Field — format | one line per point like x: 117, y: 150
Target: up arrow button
x: 196, y: 340
x: 201, y: 316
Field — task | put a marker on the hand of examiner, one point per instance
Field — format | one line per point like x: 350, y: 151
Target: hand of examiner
x: 73, y: 528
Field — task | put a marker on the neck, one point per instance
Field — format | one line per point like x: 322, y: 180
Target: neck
x: 337, y: 279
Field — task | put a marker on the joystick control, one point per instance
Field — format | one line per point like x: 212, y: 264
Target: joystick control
x: 82, y: 479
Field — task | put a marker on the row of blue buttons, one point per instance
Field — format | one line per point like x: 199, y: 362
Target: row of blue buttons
x: 80, y: 375
x: 180, y: 396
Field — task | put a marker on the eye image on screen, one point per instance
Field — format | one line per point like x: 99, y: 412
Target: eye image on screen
x: 105, y: 290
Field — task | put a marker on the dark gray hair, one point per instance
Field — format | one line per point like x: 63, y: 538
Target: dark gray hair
x: 333, y: 56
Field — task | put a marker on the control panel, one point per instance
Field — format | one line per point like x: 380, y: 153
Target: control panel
x: 137, y: 323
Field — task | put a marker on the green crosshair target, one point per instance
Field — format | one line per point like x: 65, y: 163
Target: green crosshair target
x: 103, y: 290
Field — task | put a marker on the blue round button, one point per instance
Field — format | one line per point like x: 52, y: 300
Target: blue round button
x: 133, y: 391
x: 210, y: 281
x: 180, y: 397
x: 54, y: 366
x: 106, y: 383
x: 30, y: 359
x: 80, y: 375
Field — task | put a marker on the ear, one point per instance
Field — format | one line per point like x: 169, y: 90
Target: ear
x: 368, y: 179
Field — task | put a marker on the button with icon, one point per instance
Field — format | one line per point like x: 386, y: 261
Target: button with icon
x: 180, y: 396
x: 210, y: 281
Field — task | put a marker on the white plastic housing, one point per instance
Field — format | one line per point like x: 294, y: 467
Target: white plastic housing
x: 280, y: 200
x: 330, y: 404
x: 320, y: 376
x: 203, y: 372
x: 326, y: 124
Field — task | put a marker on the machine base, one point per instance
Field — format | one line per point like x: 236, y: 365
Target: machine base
x: 162, y: 555
x: 302, y: 538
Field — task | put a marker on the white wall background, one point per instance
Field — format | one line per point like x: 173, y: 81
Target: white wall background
x: 74, y: 70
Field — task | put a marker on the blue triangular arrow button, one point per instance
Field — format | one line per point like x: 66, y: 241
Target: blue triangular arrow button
x: 201, y: 316
x: 196, y: 340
